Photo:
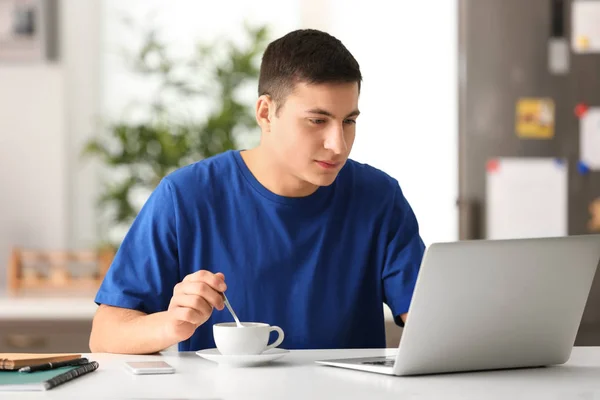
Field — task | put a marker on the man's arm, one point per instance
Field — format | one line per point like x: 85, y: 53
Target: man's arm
x: 121, y: 330
x: 127, y: 331
x: 161, y: 309
x: 403, y: 317
x: 404, y: 252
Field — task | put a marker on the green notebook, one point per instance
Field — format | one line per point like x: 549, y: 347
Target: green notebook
x: 42, y: 380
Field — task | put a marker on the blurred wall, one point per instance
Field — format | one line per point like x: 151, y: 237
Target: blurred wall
x: 408, y: 127
x: 181, y: 24
x: 33, y: 170
x: 407, y: 52
x: 46, y: 110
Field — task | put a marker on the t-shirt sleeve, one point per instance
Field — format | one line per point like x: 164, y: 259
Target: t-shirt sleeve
x: 145, y: 268
x: 404, y: 253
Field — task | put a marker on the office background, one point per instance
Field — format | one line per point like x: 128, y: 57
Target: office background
x: 48, y: 110
x: 416, y: 69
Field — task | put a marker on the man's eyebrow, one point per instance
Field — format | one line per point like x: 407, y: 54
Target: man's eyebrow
x: 326, y: 113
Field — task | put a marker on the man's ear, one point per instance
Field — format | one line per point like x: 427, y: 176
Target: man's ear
x: 264, y: 110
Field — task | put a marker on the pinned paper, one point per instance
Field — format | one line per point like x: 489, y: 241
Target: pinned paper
x: 594, y: 223
x: 589, y: 137
x: 585, y: 31
x: 558, y: 56
x: 526, y: 197
x: 535, y: 118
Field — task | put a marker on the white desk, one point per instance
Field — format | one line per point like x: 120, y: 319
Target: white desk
x: 49, y: 308
x: 296, y: 377
x: 64, y: 308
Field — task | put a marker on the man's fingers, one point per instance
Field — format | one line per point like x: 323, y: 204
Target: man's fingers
x: 189, y: 315
x: 203, y: 290
x: 195, y: 302
x: 213, y: 297
x: 197, y: 276
x: 216, y: 281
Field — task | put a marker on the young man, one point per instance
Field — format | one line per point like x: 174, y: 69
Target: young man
x: 297, y: 234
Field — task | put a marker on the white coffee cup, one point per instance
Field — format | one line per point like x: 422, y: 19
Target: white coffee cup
x: 252, y: 338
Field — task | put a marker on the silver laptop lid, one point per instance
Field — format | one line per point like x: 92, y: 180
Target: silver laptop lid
x: 497, y: 304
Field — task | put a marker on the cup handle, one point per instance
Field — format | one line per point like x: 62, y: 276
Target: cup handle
x: 279, y: 337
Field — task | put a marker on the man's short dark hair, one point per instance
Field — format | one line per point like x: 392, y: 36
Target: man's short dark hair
x: 305, y: 55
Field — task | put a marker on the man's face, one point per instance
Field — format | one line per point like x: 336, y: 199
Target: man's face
x: 313, y: 132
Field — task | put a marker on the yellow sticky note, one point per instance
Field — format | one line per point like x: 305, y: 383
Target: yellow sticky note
x: 583, y: 42
x: 535, y: 118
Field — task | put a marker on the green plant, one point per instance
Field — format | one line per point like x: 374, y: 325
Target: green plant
x: 139, y: 153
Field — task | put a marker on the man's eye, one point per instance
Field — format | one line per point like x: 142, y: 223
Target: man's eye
x: 350, y: 121
x: 317, y: 121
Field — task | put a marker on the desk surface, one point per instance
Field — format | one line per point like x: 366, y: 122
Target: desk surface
x: 297, y: 377
x: 49, y: 307
x: 53, y: 307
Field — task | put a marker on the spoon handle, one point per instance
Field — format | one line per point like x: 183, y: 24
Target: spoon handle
x: 237, y: 321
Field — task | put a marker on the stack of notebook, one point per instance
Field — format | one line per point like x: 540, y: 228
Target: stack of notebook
x: 12, y: 361
x: 43, y: 374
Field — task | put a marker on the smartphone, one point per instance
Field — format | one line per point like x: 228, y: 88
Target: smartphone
x: 149, y: 367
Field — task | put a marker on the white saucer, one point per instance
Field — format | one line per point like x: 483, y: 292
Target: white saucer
x: 242, y: 360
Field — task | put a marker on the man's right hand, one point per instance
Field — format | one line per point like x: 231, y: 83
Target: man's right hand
x: 192, y: 303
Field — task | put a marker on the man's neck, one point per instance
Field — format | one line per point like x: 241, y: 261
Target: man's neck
x: 272, y: 176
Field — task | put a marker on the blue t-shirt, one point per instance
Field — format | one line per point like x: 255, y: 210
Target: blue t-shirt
x: 320, y: 266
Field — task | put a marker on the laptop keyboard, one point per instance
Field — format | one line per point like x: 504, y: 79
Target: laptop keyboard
x: 387, y: 362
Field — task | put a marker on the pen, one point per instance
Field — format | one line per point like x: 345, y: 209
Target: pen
x: 52, y: 365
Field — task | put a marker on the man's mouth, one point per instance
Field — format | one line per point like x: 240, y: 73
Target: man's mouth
x: 328, y: 164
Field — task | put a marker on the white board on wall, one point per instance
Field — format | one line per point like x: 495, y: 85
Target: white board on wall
x: 585, y: 23
x: 526, y: 197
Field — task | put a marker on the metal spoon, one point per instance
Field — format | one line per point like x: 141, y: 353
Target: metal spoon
x: 237, y: 321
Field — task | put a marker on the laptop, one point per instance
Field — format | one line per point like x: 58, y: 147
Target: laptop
x: 492, y: 304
